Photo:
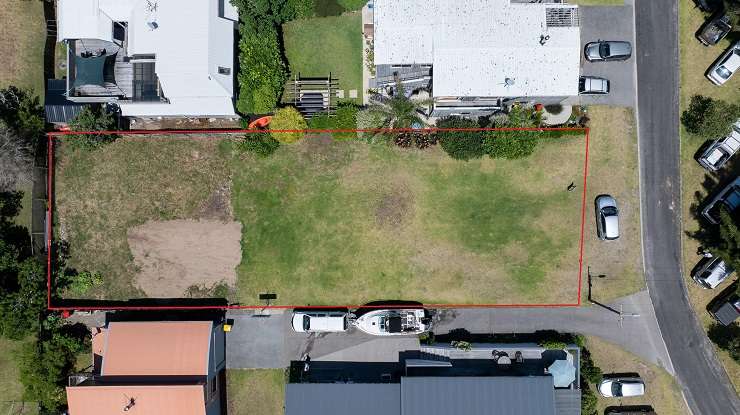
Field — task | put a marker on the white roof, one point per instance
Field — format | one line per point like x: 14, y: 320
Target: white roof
x: 190, y: 42
x: 474, y: 45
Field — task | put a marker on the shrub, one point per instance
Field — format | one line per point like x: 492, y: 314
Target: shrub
x: 460, y: 145
x: 427, y: 338
x: 288, y: 118
x: 370, y: 119
x: 81, y: 283
x: 346, y: 119
x: 589, y: 371
x: 589, y: 401
x: 510, y: 144
x: 726, y: 338
x: 321, y: 121
x: 262, y: 71
x: 709, y: 118
x: 553, y: 344
x: 261, y: 144
x: 462, y: 345
x: 91, y: 118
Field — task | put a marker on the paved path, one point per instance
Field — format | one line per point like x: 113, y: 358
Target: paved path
x: 705, y: 384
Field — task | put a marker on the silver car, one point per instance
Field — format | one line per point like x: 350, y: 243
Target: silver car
x: 621, y: 387
x: 608, y: 50
x: 593, y: 85
x: 712, y: 272
x: 607, y: 218
x: 725, y: 66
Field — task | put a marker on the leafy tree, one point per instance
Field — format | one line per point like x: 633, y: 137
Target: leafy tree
x: 21, y: 310
x: 460, y: 145
x: 262, y: 74
x: 287, y: 118
x: 91, y: 118
x: 16, y: 161
x: 709, y: 118
x: 261, y: 144
x: 22, y: 112
x: 723, y: 240
x: 727, y: 338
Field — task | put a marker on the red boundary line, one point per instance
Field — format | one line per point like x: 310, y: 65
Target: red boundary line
x: 50, y: 156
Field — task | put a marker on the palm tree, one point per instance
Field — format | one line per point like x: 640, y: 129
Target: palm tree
x: 400, y: 111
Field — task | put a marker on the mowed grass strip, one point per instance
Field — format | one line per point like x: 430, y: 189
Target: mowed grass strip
x: 100, y: 194
x: 255, y: 391
x: 329, y: 222
x: 22, y: 37
x: 317, y: 46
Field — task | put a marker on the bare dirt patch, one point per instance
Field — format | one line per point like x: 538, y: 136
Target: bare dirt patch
x: 174, y: 255
x: 393, y: 208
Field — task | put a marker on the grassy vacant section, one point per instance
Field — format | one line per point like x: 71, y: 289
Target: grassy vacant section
x: 255, y: 392
x: 329, y: 222
x: 695, y: 59
x: 613, y: 170
x: 11, y: 390
x: 314, y: 47
x: 100, y: 194
x: 22, y: 37
x: 661, y: 390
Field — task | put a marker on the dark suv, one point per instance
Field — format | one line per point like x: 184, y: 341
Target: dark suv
x: 715, y: 29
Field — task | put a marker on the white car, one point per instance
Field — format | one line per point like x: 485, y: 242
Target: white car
x: 593, y: 85
x: 712, y: 272
x: 721, y: 150
x: 319, y: 321
x: 725, y: 66
x: 621, y: 387
x: 607, y: 218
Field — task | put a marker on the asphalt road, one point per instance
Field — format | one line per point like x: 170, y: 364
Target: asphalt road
x: 705, y: 384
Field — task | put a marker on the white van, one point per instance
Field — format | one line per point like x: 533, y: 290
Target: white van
x: 319, y: 321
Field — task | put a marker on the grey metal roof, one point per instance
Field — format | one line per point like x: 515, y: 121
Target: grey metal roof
x: 568, y: 401
x: 342, y: 399
x: 477, y: 395
x: 57, y: 108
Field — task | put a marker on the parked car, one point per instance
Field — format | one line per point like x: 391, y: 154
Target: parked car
x: 715, y: 29
x: 726, y: 311
x: 721, y: 150
x: 621, y: 387
x: 709, y: 6
x: 319, y: 321
x: 607, y: 218
x: 608, y: 50
x: 725, y: 66
x: 593, y: 85
x: 712, y: 272
x: 729, y: 198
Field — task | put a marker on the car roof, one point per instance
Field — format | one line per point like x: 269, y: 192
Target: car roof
x: 632, y: 386
x: 612, y: 226
x: 733, y: 60
x: 332, y: 321
x: 718, y: 273
x: 618, y: 47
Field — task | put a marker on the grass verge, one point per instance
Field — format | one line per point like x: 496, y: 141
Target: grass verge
x: 22, y: 37
x: 695, y: 59
x: 616, y: 266
x: 661, y: 390
x: 255, y: 392
x: 11, y: 390
x: 317, y: 46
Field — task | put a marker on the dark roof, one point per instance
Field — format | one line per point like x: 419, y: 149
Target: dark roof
x: 57, y: 108
x: 478, y: 395
x: 342, y: 399
x: 568, y: 401
x: 727, y: 313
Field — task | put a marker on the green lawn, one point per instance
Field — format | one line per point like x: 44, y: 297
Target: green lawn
x: 255, y: 392
x: 695, y: 59
x: 317, y: 46
x: 11, y: 390
x: 22, y: 37
x: 330, y: 222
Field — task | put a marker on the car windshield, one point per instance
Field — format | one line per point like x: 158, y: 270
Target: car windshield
x: 604, y: 50
x: 724, y: 72
x: 306, y: 323
x: 616, y: 389
x: 609, y: 211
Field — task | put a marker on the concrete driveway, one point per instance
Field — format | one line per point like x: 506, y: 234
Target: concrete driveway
x: 609, y: 23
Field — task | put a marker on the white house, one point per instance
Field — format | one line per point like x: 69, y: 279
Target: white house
x: 476, y: 55
x: 168, y: 58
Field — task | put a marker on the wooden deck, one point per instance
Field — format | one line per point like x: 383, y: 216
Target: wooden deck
x: 118, y: 82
